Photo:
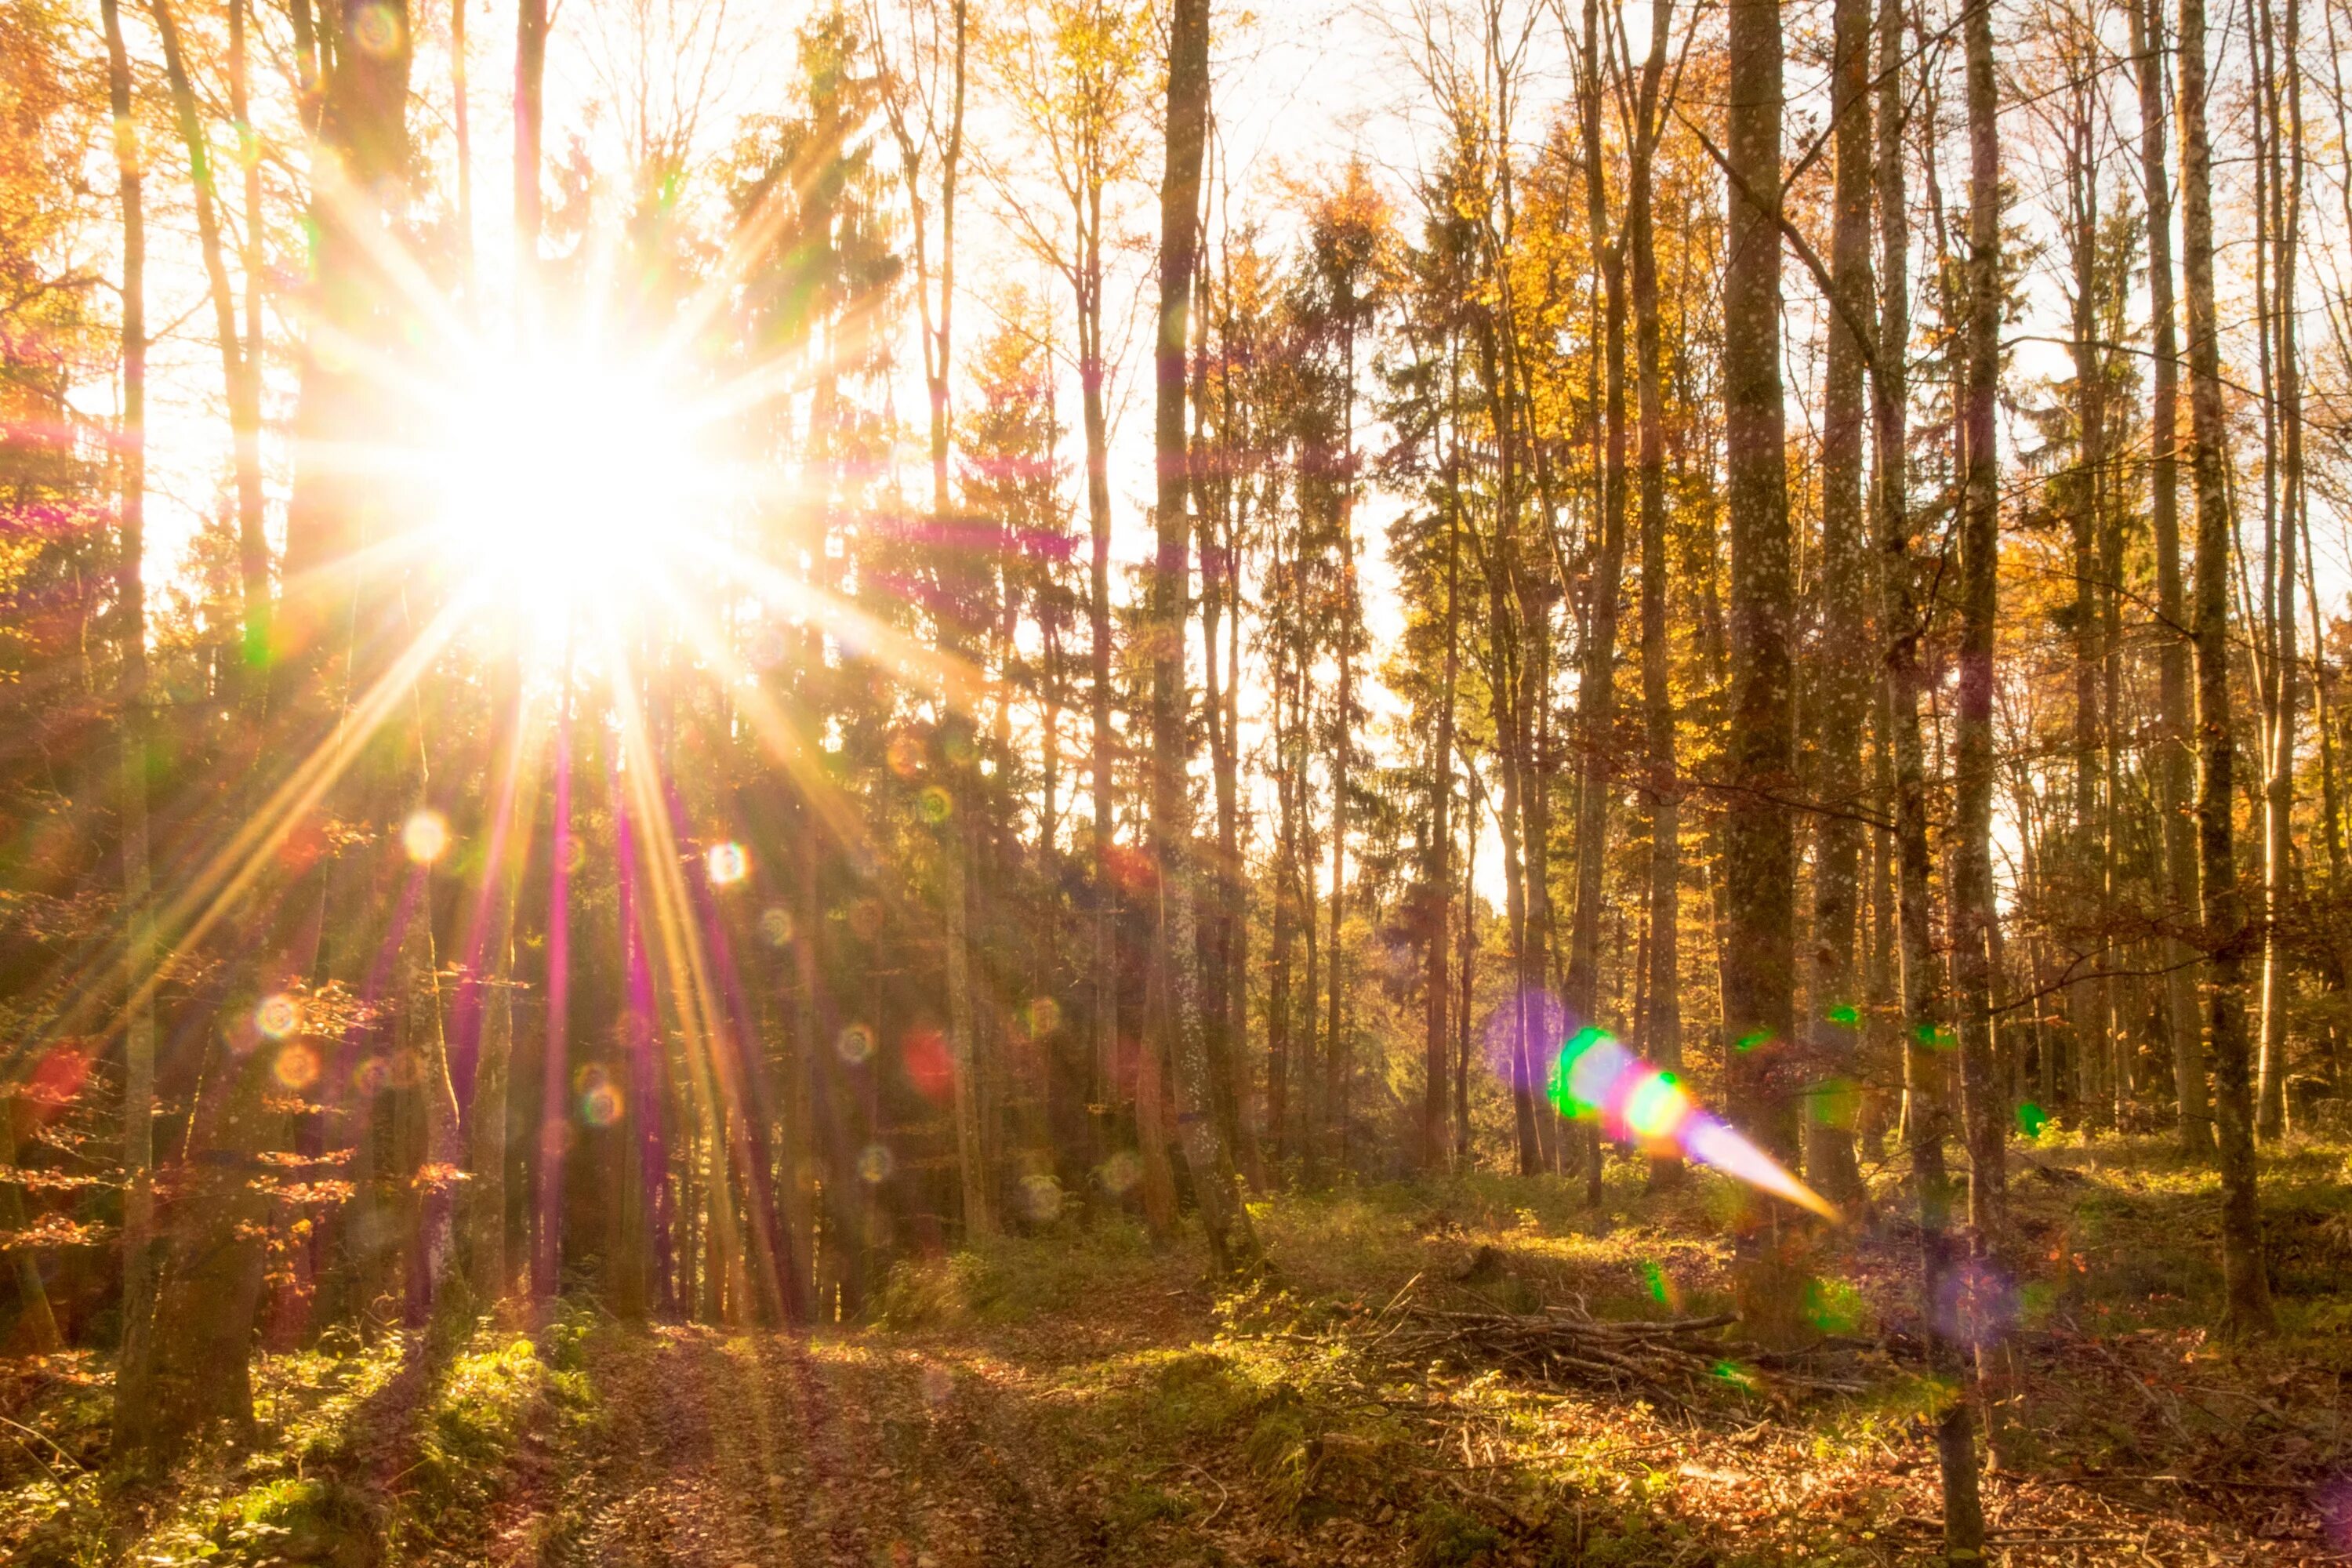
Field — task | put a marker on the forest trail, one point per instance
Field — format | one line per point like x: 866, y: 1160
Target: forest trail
x: 775, y: 1450
x: 1083, y: 1396
x: 1090, y: 1401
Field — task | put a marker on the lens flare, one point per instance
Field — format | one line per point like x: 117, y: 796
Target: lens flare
x: 1595, y: 1077
x: 277, y: 1016
x: 727, y: 864
x: 601, y: 1103
x: 425, y: 836
x: 297, y: 1066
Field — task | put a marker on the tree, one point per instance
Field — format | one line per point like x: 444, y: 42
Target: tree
x: 2247, y: 1307
x: 2174, y: 756
x: 1233, y: 1243
x: 1759, y: 831
x: 1842, y: 683
x: 1926, y: 1031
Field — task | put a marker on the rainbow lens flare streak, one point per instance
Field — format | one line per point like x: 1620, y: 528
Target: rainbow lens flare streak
x: 1595, y: 1078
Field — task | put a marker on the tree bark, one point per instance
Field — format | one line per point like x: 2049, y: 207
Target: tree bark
x: 1925, y: 1030
x: 131, y: 1414
x: 1843, y: 681
x: 2278, y: 803
x: 1759, y: 836
x: 1436, y: 915
x: 2247, y: 1301
x: 2174, y: 759
x: 1232, y: 1243
x: 1973, y: 909
x: 1597, y: 688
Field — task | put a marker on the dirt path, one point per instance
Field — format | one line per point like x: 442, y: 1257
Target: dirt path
x: 704, y: 1449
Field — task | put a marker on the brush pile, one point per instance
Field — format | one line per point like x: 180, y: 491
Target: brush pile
x: 1562, y: 1345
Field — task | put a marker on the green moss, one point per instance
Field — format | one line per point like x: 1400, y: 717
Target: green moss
x: 1443, y: 1536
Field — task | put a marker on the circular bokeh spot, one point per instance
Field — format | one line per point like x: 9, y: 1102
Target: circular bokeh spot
x: 1119, y: 1173
x: 727, y: 864
x: 875, y: 1164
x: 376, y: 30
x: 425, y: 835
x: 1041, y: 1198
x: 277, y: 1016
x: 855, y: 1044
x: 297, y: 1066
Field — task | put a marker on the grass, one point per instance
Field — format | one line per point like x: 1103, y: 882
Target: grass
x: 387, y: 1450
x: 1195, y: 1425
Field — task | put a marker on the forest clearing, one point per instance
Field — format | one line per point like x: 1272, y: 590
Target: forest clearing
x: 1084, y: 1396
x: 931, y: 781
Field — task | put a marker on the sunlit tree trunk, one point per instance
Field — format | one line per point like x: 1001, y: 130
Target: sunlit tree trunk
x: 1842, y: 683
x: 244, y: 408
x: 1759, y: 836
x: 1232, y: 1243
x: 1660, y: 1025
x: 1924, y: 1028
x: 133, y: 1410
x: 2278, y: 806
x: 1596, y: 690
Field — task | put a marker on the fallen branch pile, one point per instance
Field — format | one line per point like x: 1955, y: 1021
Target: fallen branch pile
x: 1564, y: 1345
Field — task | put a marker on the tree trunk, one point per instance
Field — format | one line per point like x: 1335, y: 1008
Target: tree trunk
x: 530, y: 105
x: 1925, y: 1031
x: 1437, y: 921
x: 1843, y: 680
x: 1660, y: 1025
x: 2278, y: 805
x: 1597, y: 688
x: 2192, y: 1120
x: 1759, y: 836
x: 1973, y: 909
x: 245, y: 407
x: 2247, y: 1307
x: 1232, y: 1243
x: 139, y: 947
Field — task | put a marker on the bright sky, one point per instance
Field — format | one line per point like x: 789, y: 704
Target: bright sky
x: 1301, y: 86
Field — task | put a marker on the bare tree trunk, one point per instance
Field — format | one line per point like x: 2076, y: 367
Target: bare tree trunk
x: 1285, y: 920
x: 1758, y: 833
x: 2246, y: 1288
x: 139, y: 956
x: 1973, y: 909
x: 2278, y: 806
x: 1925, y: 1029
x: 245, y: 405
x: 1333, y: 1133
x: 1437, y: 916
x: 530, y: 104
x: 2087, y: 1003
x: 1233, y: 1243
x: 1660, y: 1025
x: 2174, y: 761
x: 1843, y: 681
x: 1597, y: 688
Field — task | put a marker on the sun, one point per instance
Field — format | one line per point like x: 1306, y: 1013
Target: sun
x: 570, y: 487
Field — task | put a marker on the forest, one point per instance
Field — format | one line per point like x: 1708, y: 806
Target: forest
x: 953, y: 782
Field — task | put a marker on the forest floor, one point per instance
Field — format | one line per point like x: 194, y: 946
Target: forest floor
x: 1084, y: 1397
